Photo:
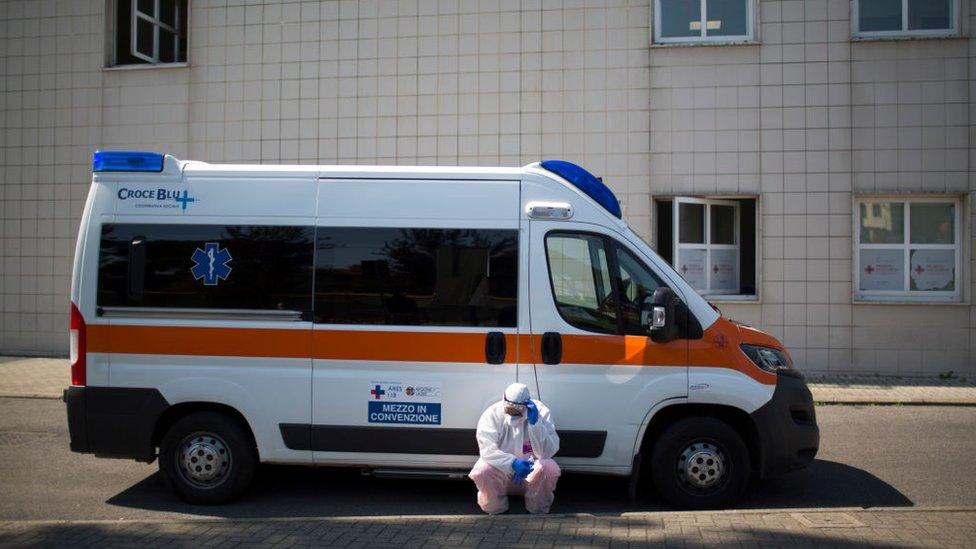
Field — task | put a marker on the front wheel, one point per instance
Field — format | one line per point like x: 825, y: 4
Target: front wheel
x: 700, y: 463
x: 208, y: 458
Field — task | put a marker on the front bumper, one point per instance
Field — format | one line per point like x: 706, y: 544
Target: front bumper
x: 113, y: 421
x: 787, y: 426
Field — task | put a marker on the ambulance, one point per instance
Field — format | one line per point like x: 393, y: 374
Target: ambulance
x: 224, y: 316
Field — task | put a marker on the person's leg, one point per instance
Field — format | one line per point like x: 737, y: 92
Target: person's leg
x: 540, y: 490
x: 492, y: 486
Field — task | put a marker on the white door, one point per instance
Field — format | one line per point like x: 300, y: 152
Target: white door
x: 597, y: 371
x: 416, y: 328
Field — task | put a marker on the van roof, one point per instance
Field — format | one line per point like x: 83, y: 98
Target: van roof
x: 146, y: 164
x: 475, y: 172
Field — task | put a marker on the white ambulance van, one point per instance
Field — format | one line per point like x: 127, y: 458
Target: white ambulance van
x: 226, y: 315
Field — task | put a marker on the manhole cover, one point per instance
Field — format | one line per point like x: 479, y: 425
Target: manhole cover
x: 18, y: 438
x: 827, y: 520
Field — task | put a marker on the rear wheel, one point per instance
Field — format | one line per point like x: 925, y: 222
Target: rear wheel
x: 700, y: 463
x: 208, y: 457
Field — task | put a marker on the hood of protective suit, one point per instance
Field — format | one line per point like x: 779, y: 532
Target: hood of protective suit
x: 517, y: 393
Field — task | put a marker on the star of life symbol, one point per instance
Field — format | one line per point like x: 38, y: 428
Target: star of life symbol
x: 210, y: 264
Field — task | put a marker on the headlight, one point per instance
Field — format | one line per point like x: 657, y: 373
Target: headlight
x: 767, y: 358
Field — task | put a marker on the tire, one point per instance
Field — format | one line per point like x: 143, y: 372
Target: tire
x: 721, y: 474
x: 222, y: 454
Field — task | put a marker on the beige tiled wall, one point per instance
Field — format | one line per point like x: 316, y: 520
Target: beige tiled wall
x: 806, y: 119
x: 376, y: 82
x: 803, y: 120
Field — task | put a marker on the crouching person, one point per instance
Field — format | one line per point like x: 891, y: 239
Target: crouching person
x: 516, y: 441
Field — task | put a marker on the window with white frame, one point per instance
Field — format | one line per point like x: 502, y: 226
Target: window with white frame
x: 908, y: 249
x: 892, y: 18
x: 148, y: 32
x: 711, y: 243
x: 678, y: 21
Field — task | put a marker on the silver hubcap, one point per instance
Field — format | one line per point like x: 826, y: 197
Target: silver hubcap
x: 702, y: 465
x: 204, y: 459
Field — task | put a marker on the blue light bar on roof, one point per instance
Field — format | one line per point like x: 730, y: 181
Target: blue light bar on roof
x: 586, y: 182
x: 127, y: 161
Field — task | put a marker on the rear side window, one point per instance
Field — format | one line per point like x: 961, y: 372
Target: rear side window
x: 206, y: 267
x: 416, y: 277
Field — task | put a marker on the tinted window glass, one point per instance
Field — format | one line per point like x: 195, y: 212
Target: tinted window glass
x: 691, y: 223
x: 726, y: 17
x: 882, y: 223
x: 637, y: 283
x: 879, y: 15
x: 580, y: 275
x: 680, y: 18
x: 929, y: 14
x: 206, y: 266
x: 933, y: 223
x: 416, y: 277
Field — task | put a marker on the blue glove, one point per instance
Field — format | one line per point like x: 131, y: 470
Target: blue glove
x: 533, y: 412
x: 522, y: 468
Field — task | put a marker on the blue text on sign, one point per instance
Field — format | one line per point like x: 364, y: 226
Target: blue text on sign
x: 411, y: 413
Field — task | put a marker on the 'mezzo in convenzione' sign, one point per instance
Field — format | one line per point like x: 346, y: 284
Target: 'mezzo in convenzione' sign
x: 404, y: 403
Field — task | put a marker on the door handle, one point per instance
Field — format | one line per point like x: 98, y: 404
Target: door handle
x: 552, y: 348
x: 495, y: 348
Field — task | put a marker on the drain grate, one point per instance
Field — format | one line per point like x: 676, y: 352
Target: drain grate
x: 19, y: 438
x: 827, y: 520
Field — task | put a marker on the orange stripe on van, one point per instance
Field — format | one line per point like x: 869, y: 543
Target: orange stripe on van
x: 717, y: 349
x: 406, y: 346
x: 194, y: 341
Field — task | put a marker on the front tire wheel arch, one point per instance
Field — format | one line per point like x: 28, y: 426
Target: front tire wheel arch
x: 700, y: 438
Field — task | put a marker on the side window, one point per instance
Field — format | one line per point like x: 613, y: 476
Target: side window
x: 581, y: 285
x: 416, y: 277
x: 636, y: 284
x: 206, y: 267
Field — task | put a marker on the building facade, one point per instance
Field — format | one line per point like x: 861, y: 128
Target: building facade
x: 806, y: 164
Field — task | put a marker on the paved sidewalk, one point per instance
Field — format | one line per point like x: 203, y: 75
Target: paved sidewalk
x: 848, y: 389
x: 781, y: 528
x: 46, y: 377
x: 33, y: 377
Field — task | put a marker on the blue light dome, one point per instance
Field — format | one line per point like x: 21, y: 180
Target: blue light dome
x: 586, y: 182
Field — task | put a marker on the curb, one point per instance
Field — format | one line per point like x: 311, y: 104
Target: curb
x: 36, y: 396
x: 628, y: 516
x: 865, y: 402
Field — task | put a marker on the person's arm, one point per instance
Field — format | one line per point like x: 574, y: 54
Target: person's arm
x: 488, y: 435
x: 545, y: 441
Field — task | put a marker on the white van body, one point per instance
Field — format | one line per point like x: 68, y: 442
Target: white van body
x: 303, y: 388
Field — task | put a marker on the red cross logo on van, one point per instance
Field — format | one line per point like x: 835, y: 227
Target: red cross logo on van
x: 869, y: 269
x: 377, y: 392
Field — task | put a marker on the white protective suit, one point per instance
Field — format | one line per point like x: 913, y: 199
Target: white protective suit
x: 501, y: 439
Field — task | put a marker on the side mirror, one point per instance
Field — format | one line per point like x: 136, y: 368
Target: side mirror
x: 658, y: 317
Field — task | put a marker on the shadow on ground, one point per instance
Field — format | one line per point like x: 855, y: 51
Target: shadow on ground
x: 289, y: 491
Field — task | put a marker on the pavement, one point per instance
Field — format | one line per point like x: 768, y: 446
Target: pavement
x: 798, y: 528
x: 33, y: 377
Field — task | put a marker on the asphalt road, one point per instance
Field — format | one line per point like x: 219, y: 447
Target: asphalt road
x: 870, y: 456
